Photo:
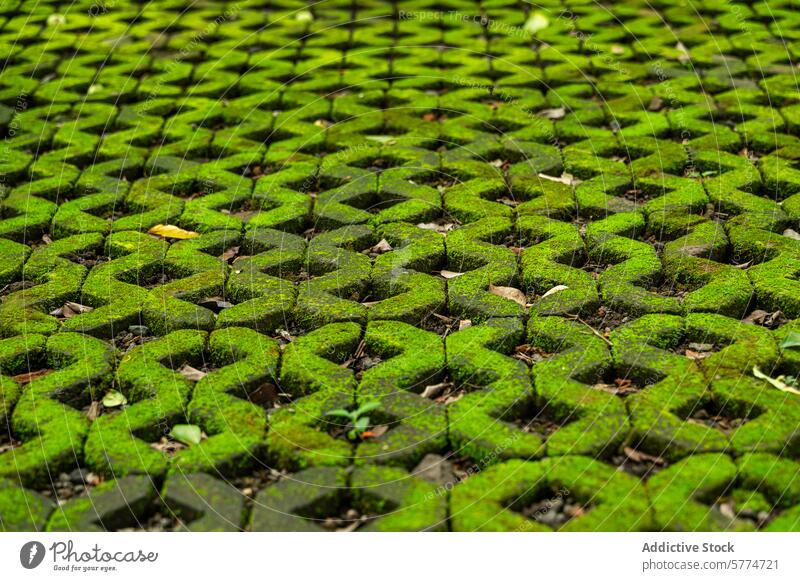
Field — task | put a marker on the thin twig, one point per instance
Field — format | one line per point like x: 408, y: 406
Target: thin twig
x: 592, y: 329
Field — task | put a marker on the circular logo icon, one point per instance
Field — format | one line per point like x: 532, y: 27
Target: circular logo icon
x: 31, y: 554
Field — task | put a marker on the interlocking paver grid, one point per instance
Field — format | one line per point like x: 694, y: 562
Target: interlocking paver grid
x: 551, y: 241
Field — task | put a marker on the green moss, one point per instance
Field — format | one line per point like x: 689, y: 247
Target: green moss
x: 771, y: 415
x: 263, y: 300
x: 57, y: 279
x: 30, y: 215
x: 642, y: 349
x: 497, y: 386
x: 683, y: 494
x: 659, y: 418
x: 298, y: 435
x: 553, y: 260
x: 12, y: 258
x: 113, y: 505
x: 591, y: 421
x: 598, y: 197
x: 713, y: 287
x: 742, y: 345
x: 774, y: 282
x: 493, y: 499
x: 204, y: 503
x: 299, y: 504
x: 119, y: 443
x: 340, y: 276
x: 473, y: 250
x: 47, y: 418
x: 408, y: 295
x: 475, y: 355
x: 775, y: 477
x: 22, y: 510
x: 18, y: 354
x: 412, y: 504
x: 475, y: 200
x: 656, y: 200
x: 635, y: 266
x: 780, y: 177
x: 311, y: 362
x: 283, y: 203
x: 245, y: 362
x: 411, y: 359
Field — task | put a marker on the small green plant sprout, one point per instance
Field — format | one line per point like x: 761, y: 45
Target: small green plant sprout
x: 358, y: 422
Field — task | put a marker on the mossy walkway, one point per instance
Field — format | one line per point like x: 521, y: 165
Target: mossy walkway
x: 553, y: 249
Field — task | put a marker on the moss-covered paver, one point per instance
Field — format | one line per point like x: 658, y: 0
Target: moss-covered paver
x: 547, y: 243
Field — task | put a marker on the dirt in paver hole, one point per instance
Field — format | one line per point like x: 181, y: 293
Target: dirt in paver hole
x: 727, y: 509
x: 715, y: 419
x: 350, y: 519
x: 552, y: 507
x: 605, y: 320
x: 725, y: 418
x: 540, y: 418
x: 8, y: 443
x: 639, y: 463
x: 619, y: 386
x: 76, y: 483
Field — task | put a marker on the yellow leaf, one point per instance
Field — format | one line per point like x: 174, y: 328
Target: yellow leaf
x: 170, y: 231
x: 536, y: 22
x: 776, y: 382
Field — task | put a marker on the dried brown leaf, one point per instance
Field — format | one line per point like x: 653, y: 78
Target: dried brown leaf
x: 94, y: 411
x: 231, y: 252
x: 24, y: 378
x: 759, y: 317
x: 638, y: 456
x: 510, y: 293
x: 375, y: 432
x: 381, y: 247
x: 286, y: 335
x: 432, y: 391
x: 167, y: 446
x: 695, y: 355
x: 191, y: 373
x: 77, y: 307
